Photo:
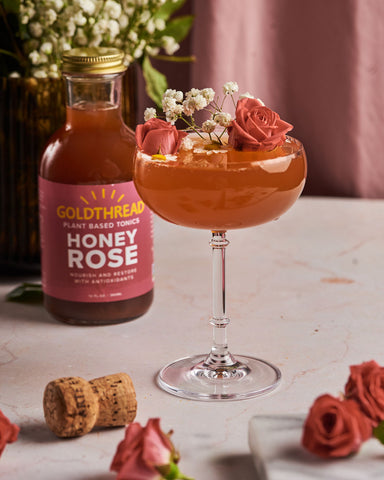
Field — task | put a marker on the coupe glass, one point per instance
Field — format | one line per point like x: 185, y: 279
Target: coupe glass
x: 220, y: 189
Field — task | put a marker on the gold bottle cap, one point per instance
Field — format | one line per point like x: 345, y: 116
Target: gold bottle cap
x: 93, y: 60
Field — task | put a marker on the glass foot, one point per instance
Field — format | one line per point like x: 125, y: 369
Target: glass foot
x: 192, y: 378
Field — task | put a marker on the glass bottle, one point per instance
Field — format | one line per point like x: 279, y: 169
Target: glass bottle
x: 96, y: 233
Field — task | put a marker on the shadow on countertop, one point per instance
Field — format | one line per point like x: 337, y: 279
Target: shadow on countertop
x: 40, y: 433
x: 239, y: 467
x: 37, y: 433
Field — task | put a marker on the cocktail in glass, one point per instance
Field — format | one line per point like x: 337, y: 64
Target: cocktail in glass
x: 216, y: 187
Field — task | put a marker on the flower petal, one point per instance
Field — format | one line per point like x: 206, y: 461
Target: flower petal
x: 132, y: 442
x: 135, y: 468
x: 8, y: 432
x: 158, y: 448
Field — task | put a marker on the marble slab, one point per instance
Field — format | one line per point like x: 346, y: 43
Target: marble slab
x: 278, y: 455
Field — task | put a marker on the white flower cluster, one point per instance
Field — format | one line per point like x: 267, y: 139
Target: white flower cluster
x: 54, y: 26
x: 230, y: 88
x: 176, y: 106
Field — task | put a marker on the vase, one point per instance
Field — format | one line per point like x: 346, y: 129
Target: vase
x: 31, y: 110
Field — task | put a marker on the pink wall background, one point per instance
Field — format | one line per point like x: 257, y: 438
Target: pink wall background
x: 319, y: 63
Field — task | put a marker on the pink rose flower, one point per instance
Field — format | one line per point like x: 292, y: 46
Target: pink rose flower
x: 256, y: 127
x: 335, y: 428
x: 365, y: 385
x: 8, y: 432
x: 157, y: 136
x: 146, y: 453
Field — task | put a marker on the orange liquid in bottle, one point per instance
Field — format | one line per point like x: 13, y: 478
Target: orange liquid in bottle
x: 222, y: 189
x: 93, y: 148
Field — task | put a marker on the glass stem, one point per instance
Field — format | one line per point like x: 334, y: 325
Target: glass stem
x: 219, y: 355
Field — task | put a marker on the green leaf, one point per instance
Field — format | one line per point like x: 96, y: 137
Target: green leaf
x: 156, y: 82
x: 378, y: 432
x: 178, y: 28
x: 27, y: 292
x: 166, y: 10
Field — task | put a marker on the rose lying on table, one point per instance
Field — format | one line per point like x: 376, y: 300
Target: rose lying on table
x: 8, y: 432
x: 338, y: 427
x: 147, y: 453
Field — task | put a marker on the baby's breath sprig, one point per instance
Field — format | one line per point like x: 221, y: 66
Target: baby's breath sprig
x: 177, y: 106
x: 38, y: 32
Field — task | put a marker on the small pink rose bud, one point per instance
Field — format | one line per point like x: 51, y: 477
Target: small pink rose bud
x: 146, y: 453
x: 157, y: 136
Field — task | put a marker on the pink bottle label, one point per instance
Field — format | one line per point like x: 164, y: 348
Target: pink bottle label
x: 96, y: 242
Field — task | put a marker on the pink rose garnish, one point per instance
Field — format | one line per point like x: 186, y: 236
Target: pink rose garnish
x: 157, y: 136
x: 335, y: 428
x: 365, y: 385
x: 146, y: 453
x: 256, y: 127
x: 8, y: 432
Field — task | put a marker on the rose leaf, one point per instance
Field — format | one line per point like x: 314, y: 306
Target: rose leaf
x: 26, y: 292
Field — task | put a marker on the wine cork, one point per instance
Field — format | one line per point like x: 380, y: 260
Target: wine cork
x: 73, y: 406
x: 117, y: 400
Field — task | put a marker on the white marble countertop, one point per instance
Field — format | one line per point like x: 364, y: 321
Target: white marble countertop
x: 305, y: 292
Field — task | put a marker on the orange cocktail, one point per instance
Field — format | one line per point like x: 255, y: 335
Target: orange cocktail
x: 231, y: 173
x: 220, y: 188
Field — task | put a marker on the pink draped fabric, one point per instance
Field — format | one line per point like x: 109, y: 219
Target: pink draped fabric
x: 319, y: 63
